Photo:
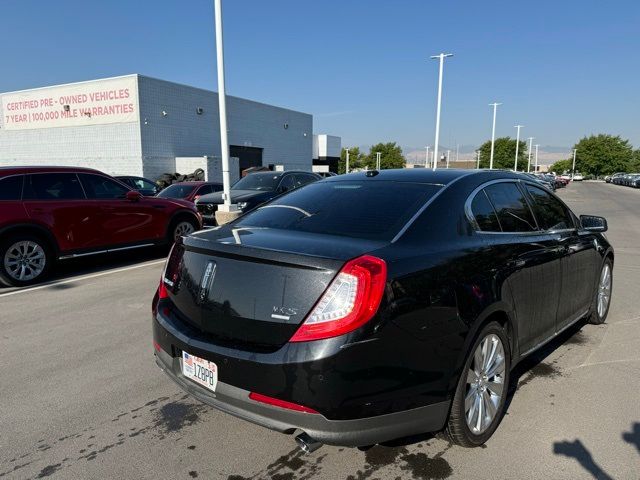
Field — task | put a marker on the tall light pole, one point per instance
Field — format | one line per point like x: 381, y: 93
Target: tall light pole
x: 573, y: 169
x: 493, y: 133
x: 426, y: 159
x: 530, y: 150
x: 536, y: 167
x: 515, y: 165
x: 441, y: 57
x: 457, y: 151
x: 346, y: 163
x: 222, y: 107
x: 448, y: 153
x: 378, y: 154
x: 478, y: 165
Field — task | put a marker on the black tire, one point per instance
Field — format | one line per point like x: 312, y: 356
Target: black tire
x: 175, y: 223
x: 457, y: 428
x: 6, y: 277
x: 595, y: 318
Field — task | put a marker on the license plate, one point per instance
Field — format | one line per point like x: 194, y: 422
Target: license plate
x: 199, y: 370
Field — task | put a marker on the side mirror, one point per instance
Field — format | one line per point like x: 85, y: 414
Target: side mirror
x: 593, y: 223
x: 282, y: 189
x: 133, y: 196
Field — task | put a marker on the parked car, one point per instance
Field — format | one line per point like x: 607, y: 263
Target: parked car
x: 253, y: 190
x: 326, y: 174
x: 578, y: 177
x: 612, y: 178
x: 143, y: 185
x: 634, y: 180
x: 190, y: 191
x: 56, y: 213
x: 542, y: 181
x: 378, y: 305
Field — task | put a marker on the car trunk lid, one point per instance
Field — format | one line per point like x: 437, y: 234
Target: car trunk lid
x: 238, y: 287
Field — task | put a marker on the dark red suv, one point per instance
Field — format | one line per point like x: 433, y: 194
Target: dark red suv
x: 55, y: 213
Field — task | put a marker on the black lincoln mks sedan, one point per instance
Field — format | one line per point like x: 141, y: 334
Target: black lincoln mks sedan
x: 377, y: 305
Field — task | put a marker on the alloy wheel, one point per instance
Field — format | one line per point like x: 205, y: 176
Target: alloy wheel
x: 604, y: 290
x: 485, y: 384
x: 182, y: 229
x: 25, y: 260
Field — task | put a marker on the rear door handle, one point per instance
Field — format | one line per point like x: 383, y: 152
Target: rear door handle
x: 37, y: 210
x: 159, y: 206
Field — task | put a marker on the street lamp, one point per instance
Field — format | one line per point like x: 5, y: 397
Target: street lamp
x: 457, y: 151
x: 530, y: 151
x: 515, y: 165
x: 536, y: 167
x: 426, y: 159
x: 573, y: 169
x: 378, y: 154
x: 441, y: 57
x: 448, y: 153
x: 478, y: 165
x: 227, y: 210
x: 493, y: 133
x: 346, y: 163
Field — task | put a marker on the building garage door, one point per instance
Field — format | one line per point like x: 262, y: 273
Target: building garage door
x: 249, y: 156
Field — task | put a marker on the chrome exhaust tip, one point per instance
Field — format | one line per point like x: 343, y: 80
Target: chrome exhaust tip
x: 307, y: 444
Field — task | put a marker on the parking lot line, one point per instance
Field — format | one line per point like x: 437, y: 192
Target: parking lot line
x: 83, y: 277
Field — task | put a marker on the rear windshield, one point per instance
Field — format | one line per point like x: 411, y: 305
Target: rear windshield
x: 177, y: 191
x: 372, y: 210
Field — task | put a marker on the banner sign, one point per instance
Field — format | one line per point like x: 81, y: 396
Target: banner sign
x: 90, y: 103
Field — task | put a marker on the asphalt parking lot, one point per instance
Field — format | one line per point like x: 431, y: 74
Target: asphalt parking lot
x: 81, y: 396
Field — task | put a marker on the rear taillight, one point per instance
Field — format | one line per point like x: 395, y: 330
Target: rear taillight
x: 162, y: 291
x: 276, y: 402
x: 350, y: 301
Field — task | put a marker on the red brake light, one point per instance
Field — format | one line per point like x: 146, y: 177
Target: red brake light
x: 350, y: 301
x: 162, y: 291
x: 280, y: 403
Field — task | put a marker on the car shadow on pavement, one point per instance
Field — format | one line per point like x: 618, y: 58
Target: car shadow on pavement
x: 534, y: 366
x: 65, y: 269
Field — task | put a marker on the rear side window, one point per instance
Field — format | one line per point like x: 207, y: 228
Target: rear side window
x: 102, y: 188
x: 511, y: 207
x: 484, y: 213
x: 373, y: 210
x: 11, y: 187
x: 53, y: 186
x: 549, y: 211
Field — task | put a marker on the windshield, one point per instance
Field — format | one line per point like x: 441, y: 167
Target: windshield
x: 367, y: 209
x: 267, y: 181
x: 177, y: 191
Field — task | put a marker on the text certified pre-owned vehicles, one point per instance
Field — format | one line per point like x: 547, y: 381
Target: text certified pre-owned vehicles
x: 253, y: 190
x: 55, y: 213
x: 377, y: 305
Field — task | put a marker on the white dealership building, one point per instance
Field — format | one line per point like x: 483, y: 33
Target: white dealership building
x: 137, y: 125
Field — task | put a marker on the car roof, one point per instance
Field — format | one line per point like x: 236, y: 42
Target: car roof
x: 441, y: 176
x: 196, y: 183
x: 4, y: 171
x: 280, y: 172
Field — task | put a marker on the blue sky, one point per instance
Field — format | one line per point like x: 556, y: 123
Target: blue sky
x: 564, y: 69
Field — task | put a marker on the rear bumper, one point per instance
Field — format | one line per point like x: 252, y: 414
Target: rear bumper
x: 356, y: 432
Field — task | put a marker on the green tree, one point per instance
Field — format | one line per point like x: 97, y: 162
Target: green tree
x: 561, y: 166
x: 391, y: 156
x: 504, y: 154
x: 356, y: 159
x: 634, y: 163
x: 603, y: 155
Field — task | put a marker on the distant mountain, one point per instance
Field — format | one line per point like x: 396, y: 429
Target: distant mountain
x: 546, y: 154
